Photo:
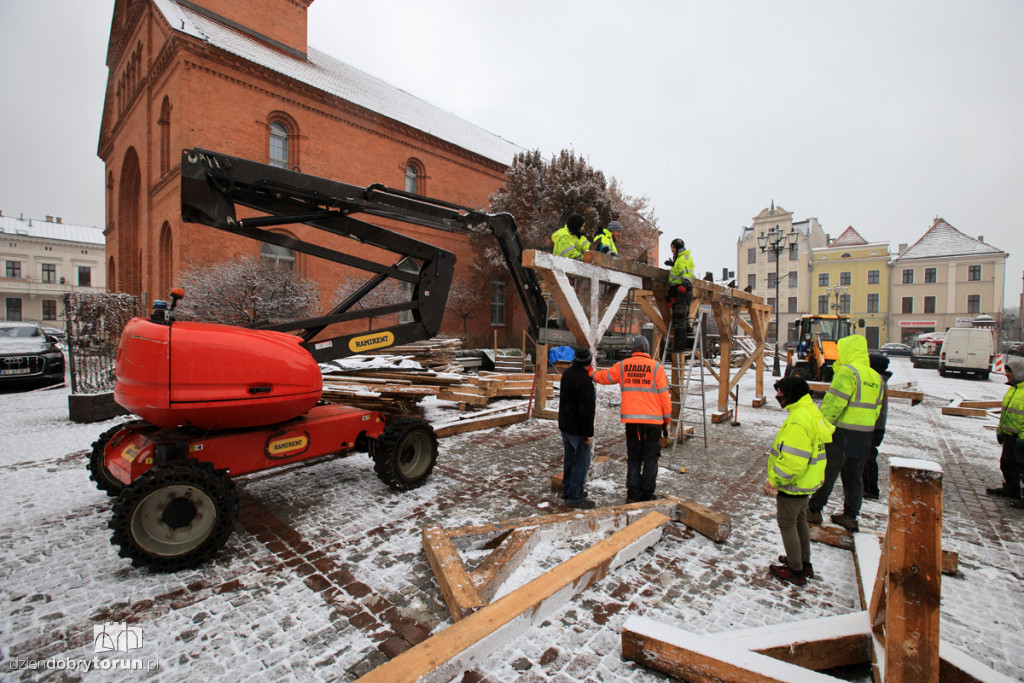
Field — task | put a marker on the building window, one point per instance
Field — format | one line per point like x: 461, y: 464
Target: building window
x: 792, y: 305
x: 497, y: 302
x: 14, y: 309
x: 931, y: 275
x: 793, y: 279
x: 279, y: 145
x: 771, y: 280
x: 50, y: 272
x: 751, y: 281
x: 845, y: 278
x: 974, y: 273
x: 844, y: 304
x: 974, y: 303
x: 794, y: 251
x: 751, y: 255
x: 773, y: 256
x: 84, y: 276
x: 49, y: 309
x: 908, y: 276
x: 874, y: 277
x: 872, y: 303
x: 771, y: 302
x: 929, y: 304
x: 282, y: 256
x: 908, y: 303
x: 823, y: 279
x: 14, y: 270
x: 823, y: 304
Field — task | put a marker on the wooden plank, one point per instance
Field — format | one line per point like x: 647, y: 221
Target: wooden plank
x: 913, y: 581
x: 504, y: 560
x: 700, y: 518
x: 718, y: 418
x: 457, y: 586
x: 470, y: 425
x: 758, y: 402
x: 545, y: 413
x: 804, y: 642
x: 914, y: 395
x: 956, y: 407
x: 690, y: 657
x: 459, y: 647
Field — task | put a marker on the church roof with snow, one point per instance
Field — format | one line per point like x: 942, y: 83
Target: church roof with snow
x: 942, y: 240
x: 337, y: 78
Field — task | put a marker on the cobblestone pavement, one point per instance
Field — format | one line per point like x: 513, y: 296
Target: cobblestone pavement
x: 325, y: 577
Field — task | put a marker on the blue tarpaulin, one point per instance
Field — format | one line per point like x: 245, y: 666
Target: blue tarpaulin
x: 561, y: 353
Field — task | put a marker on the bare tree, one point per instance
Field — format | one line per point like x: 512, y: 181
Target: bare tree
x: 246, y: 291
x: 463, y: 300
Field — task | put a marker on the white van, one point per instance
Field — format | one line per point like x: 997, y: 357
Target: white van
x: 967, y: 349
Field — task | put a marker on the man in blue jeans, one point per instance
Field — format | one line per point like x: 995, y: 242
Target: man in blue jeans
x: 576, y: 405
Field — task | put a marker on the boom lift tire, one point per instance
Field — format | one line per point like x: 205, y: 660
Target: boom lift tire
x: 404, y: 454
x: 175, y: 516
x: 98, y: 471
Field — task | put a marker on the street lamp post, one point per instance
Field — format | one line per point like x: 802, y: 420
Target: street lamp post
x: 776, y: 241
x: 839, y: 290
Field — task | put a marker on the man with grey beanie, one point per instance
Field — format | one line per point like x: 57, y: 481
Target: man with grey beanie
x: 576, y: 405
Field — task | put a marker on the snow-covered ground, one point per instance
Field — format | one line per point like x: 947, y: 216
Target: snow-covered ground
x: 325, y: 575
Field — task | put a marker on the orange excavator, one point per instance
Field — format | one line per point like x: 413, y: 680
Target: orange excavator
x: 817, y: 349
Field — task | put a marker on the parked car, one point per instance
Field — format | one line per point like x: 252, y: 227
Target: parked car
x: 895, y: 349
x: 967, y: 350
x: 925, y: 353
x: 28, y: 356
x: 55, y: 332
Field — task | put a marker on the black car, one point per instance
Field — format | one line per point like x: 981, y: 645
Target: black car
x: 28, y: 356
x: 894, y: 349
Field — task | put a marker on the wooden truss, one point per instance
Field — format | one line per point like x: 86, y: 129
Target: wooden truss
x: 649, y: 285
x: 898, y: 629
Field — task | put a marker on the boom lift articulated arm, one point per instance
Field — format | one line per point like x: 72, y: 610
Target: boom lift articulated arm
x: 214, y: 185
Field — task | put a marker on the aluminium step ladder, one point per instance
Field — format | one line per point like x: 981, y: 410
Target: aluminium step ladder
x: 684, y: 376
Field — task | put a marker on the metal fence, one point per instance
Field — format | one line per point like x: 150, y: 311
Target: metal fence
x: 94, y: 325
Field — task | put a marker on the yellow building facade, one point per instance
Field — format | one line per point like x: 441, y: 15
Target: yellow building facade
x: 851, y: 276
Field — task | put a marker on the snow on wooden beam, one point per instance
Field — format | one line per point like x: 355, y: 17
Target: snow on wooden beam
x: 472, y: 425
x: 461, y: 646
x: 839, y: 537
x: 500, y: 564
x: 691, y: 657
x: 817, y: 644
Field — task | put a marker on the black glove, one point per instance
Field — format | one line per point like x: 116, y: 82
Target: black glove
x: 999, y: 438
x: 669, y: 262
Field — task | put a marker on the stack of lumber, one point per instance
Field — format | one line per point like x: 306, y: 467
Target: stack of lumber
x: 487, y: 386
x: 437, y: 353
x: 388, y: 396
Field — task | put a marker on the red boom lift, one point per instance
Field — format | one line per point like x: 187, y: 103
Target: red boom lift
x: 218, y: 401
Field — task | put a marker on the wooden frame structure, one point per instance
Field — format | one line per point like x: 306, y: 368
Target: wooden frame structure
x: 898, y: 630
x: 649, y: 285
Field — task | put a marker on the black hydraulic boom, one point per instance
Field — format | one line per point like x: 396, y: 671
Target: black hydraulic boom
x: 213, y: 185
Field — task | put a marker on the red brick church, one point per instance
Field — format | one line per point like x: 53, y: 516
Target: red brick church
x: 239, y: 78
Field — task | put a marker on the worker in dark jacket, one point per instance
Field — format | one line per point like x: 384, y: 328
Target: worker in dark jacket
x: 880, y: 364
x: 576, y: 404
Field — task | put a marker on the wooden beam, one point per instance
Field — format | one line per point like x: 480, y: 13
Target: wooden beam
x: 599, y: 466
x: 913, y: 582
x: 690, y: 657
x: 714, y: 525
x: 957, y: 407
x: 817, y: 644
x: 471, y: 425
x: 460, y: 646
x: 502, y: 561
x: 457, y: 586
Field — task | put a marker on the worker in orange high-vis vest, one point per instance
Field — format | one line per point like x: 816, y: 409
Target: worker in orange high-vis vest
x: 646, y: 412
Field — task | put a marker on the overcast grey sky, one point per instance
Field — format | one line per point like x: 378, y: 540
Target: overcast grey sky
x: 879, y: 115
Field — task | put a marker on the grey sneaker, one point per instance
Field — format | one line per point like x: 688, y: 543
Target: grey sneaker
x: 845, y: 522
